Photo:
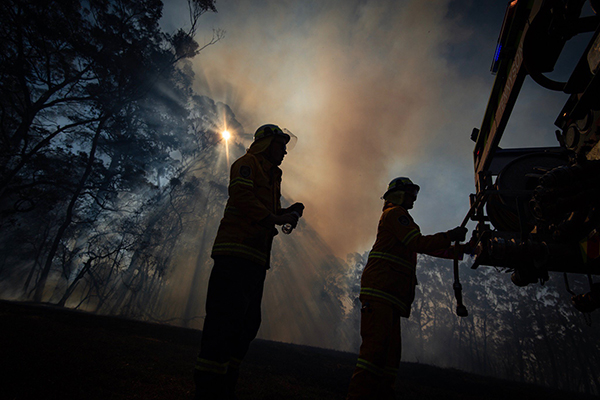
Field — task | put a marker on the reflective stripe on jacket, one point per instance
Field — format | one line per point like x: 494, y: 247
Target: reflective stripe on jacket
x: 390, y: 273
x: 254, y: 193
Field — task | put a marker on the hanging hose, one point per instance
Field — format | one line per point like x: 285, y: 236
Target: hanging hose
x: 461, y: 310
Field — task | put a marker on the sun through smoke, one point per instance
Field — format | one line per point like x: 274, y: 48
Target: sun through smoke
x: 226, y: 136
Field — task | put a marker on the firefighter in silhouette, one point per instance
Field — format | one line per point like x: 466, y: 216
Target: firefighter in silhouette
x: 388, y: 289
x: 241, y: 253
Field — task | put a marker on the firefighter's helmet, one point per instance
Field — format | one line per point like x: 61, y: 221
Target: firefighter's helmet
x: 268, y: 130
x: 402, y: 184
x: 266, y: 133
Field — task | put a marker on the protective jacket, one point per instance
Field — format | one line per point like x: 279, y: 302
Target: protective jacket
x: 390, y: 273
x: 254, y: 193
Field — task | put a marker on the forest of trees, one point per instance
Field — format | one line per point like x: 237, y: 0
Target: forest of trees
x: 530, y: 334
x: 95, y: 97
x: 111, y: 188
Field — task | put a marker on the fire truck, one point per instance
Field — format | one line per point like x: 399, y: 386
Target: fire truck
x: 538, y: 209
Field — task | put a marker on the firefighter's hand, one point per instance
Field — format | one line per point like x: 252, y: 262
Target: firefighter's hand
x: 287, y: 218
x: 470, y: 247
x: 457, y: 234
x: 296, y: 207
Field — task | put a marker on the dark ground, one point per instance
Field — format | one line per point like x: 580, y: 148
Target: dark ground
x: 51, y: 353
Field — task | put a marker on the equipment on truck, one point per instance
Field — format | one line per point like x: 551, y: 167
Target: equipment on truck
x: 538, y: 209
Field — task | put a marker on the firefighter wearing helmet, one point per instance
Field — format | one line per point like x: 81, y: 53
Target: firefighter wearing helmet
x: 241, y: 254
x: 388, y: 289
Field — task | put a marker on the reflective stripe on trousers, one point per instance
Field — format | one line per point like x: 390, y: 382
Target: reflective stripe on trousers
x: 364, y: 364
x: 237, y: 249
x: 379, y: 355
x: 216, y: 367
x: 205, y: 365
x: 385, y: 296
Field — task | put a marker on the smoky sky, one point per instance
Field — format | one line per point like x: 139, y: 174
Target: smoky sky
x: 373, y: 90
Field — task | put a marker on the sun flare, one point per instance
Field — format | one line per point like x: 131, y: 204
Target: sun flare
x: 226, y: 136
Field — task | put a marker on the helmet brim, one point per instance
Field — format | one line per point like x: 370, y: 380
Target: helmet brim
x: 402, y: 189
x: 292, y: 139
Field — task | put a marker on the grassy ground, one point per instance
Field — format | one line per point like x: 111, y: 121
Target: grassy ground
x: 49, y: 353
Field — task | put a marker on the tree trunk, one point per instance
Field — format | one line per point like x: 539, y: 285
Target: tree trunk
x: 41, y: 284
x: 71, y: 288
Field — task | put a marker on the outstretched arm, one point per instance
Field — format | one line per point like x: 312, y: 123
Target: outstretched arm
x: 409, y: 234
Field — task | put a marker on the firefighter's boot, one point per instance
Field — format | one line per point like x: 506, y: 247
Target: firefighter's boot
x: 210, y: 386
x: 231, y: 381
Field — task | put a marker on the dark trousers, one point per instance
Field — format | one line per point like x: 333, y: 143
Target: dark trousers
x: 233, y: 317
x: 379, y: 355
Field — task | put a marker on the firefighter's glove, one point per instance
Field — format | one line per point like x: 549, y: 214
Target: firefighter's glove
x: 288, y: 218
x: 296, y: 207
x: 457, y: 234
x: 470, y: 248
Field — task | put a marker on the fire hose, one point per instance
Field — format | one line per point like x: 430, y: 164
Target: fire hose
x: 461, y: 310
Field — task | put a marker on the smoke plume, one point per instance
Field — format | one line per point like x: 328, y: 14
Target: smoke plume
x: 367, y: 89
